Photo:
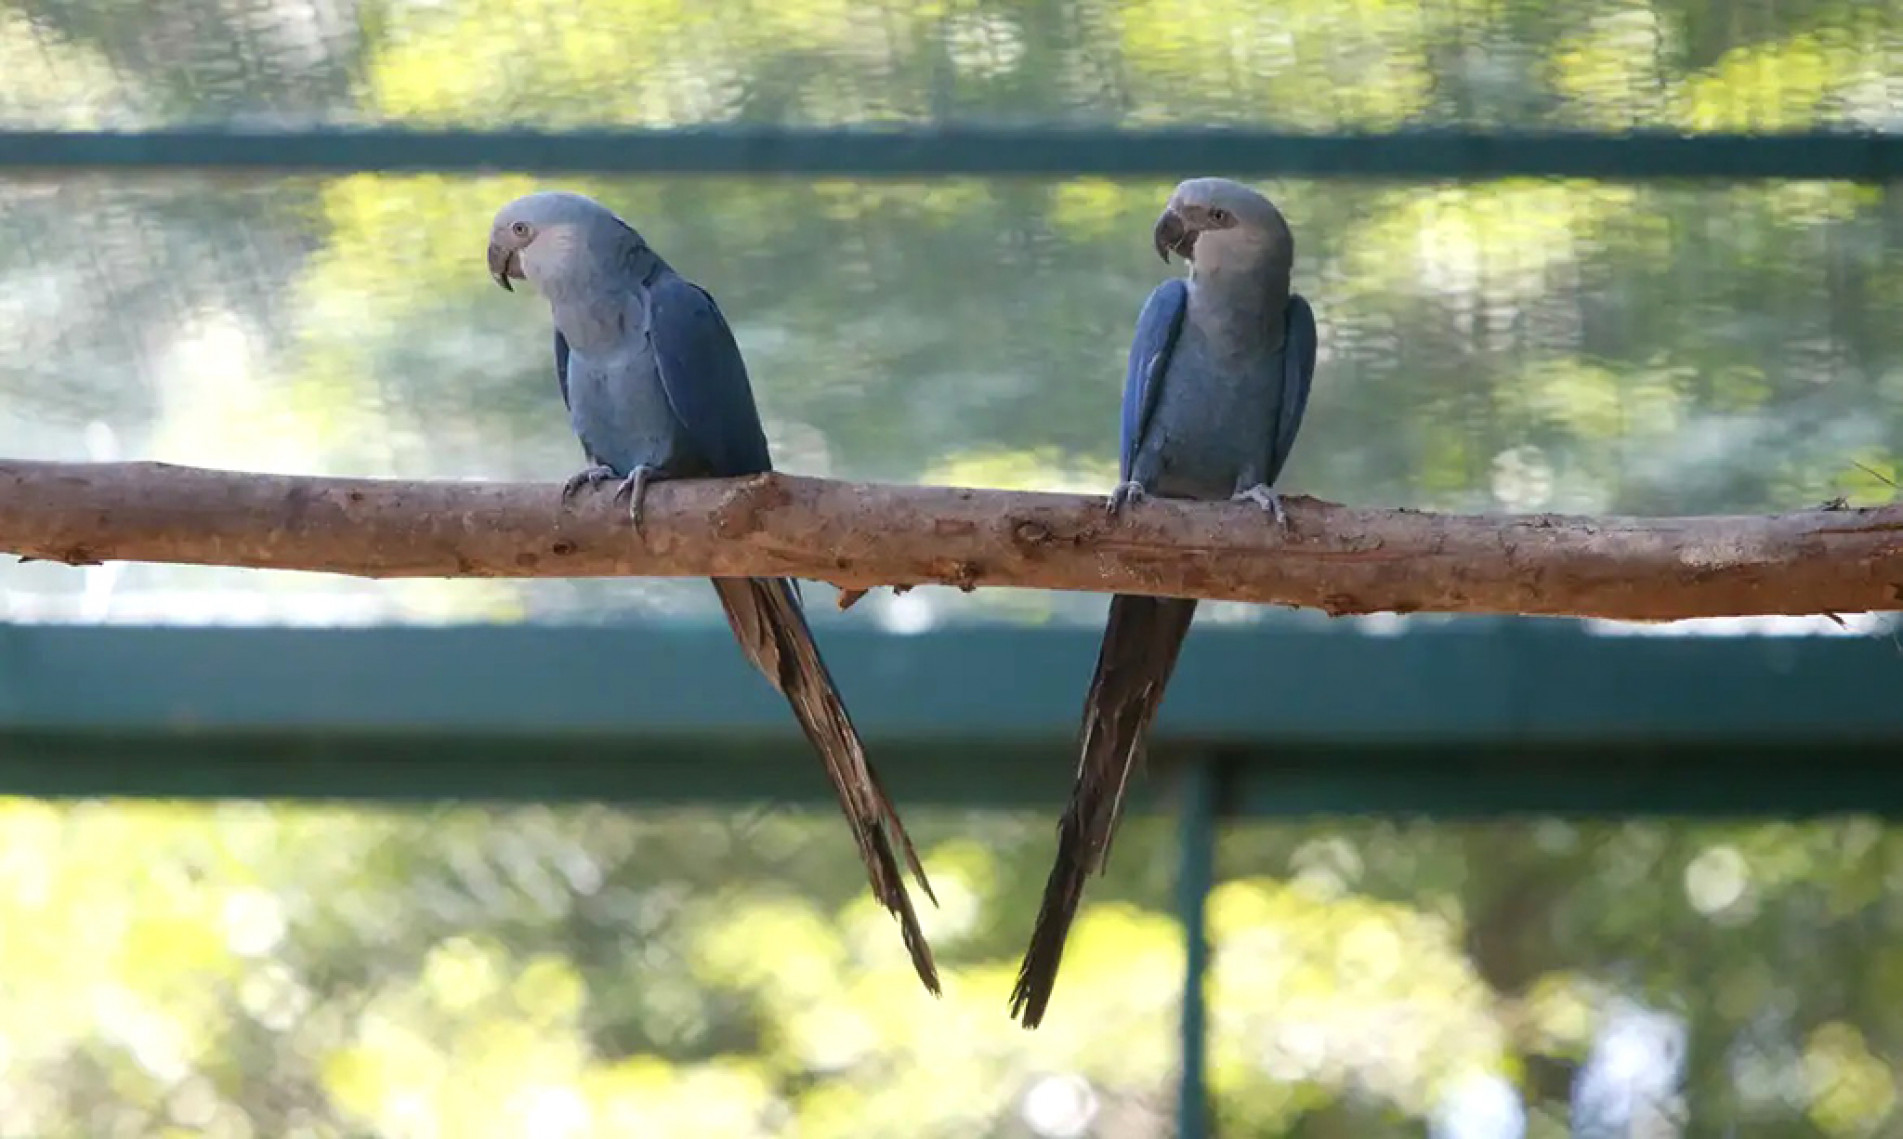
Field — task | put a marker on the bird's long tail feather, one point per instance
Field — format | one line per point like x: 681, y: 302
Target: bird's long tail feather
x: 766, y: 617
x: 1140, y: 645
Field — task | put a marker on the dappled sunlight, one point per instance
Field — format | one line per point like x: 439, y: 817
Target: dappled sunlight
x: 1340, y: 993
x: 1318, y: 63
x: 470, y: 972
x: 487, y: 59
x: 1044, y: 469
x: 54, y: 82
x: 1852, y: 1091
x: 564, y: 972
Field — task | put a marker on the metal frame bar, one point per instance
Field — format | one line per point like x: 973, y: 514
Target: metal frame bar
x: 1195, y: 878
x: 937, y: 151
x: 1477, y: 718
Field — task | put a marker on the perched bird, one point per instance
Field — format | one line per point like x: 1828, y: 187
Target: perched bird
x: 1217, y: 381
x: 656, y: 389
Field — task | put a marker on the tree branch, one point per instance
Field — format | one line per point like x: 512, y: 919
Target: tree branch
x: 856, y: 536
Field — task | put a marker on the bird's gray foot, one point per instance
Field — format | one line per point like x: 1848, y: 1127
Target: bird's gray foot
x: 634, y: 488
x: 592, y: 477
x: 1124, y: 495
x: 1267, y: 499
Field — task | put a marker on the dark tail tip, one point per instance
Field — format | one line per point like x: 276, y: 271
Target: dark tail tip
x: 892, y: 894
x: 922, y: 962
x: 1037, y: 975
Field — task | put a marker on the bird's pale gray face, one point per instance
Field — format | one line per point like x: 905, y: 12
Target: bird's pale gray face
x: 534, y: 234
x: 507, y: 239
x: 1227, y: 220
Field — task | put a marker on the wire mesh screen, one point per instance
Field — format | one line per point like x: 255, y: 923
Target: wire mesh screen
x: 1553, y: 978
x: 1520, y: 345
x: 249, y: 970
x: 244, y: 970
x: 1364, y: 64
x: 1507, y: 345
x: 1516, y: 344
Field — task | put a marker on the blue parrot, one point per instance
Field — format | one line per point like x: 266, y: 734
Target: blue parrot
x: 656, y: 389
x: 1217, y: 381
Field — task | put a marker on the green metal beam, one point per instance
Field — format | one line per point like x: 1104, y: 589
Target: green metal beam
x: 1483, y: 682
x: 1195, y: 878
x: 1474, y: 718
x: 967, y: 150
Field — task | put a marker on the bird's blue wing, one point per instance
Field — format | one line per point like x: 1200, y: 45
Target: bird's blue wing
x: 1298, y: 374
x: 705, y: 379
x: 1158, y: 326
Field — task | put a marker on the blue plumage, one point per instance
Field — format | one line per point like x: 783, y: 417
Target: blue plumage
x: 656, y: 389
x: 1298, y: 375
x: 705, y: 380
x: 1158, y: 326
x: 1214, y: 393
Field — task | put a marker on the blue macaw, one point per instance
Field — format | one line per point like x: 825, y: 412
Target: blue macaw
x: 1214, y: 392
x: 656, y: 389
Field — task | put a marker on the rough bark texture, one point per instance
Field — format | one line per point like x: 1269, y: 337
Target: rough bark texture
x: 1334, y: 558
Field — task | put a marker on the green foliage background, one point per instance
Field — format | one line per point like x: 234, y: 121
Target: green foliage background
x: 1508, y: 345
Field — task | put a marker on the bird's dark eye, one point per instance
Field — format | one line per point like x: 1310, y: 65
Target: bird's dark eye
x: 1219, y: 216
x: 520, y: 229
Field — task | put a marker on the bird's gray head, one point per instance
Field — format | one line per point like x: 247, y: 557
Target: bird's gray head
x: 541, y: 237
x: 1213, y: 222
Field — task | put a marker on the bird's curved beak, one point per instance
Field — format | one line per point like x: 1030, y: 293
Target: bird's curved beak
x: 1174, y: 235
x: 503, y: 264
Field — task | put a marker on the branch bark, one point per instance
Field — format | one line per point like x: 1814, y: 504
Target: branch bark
x: 861, y: 536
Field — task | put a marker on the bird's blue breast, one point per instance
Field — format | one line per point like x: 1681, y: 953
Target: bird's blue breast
x: 1215, y: 419
x: 619, y: 410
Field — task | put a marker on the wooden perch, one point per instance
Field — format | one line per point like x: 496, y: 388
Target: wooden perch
x: 861, y: 536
